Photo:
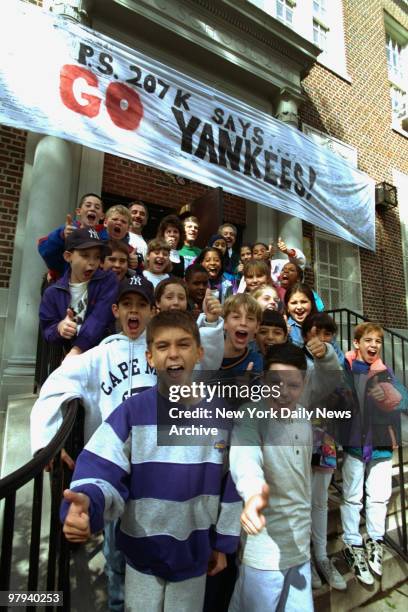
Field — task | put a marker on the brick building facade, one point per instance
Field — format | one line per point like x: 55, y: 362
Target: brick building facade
x: 353, y: 107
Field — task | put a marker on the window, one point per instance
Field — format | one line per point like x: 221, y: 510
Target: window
x: 284, y: 11
x: 338, y: 279
x: 396, y: 45
x: 320, y: 35
x: 320, y: 9
x: 394, y: 59
x: 398, y: 102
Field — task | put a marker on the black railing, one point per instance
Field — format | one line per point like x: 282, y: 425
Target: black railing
x: 69, y: 436
x: 395, y: 354
x: 48, y: 356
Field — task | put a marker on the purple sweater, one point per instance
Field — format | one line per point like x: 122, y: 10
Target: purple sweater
x: 102, y: 292
x: 177, y: 503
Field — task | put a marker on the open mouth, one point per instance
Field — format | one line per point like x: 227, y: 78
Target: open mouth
x: 117, y: 230
x: 371, y: 352
x: 133, y: 324
x: 91, y: 217
x: 88, y: 273
x: 241, y: 336
x: 175, y: 371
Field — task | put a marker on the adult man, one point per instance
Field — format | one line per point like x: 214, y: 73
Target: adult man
x: 140, y: 215
x: 229, y: 232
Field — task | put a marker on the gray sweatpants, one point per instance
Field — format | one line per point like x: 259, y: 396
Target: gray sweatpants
x: 288, y: 590
x: 146, y: 593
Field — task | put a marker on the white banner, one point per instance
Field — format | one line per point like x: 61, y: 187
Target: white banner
x: 63, y: 79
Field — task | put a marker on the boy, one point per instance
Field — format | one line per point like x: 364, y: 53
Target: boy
x: 177, y: 521
x: 271, y: 466
x: 321, y: 327
x: 117, y: 224
x: 51, y: 247
x: 272, y: 330
x: 76, y: 310
x: 189, y: 252
x: 157, y: 261
x: 105, y: 376
x: 368, y: 445
x: 326, y: 329
x: 108, y: 374
x: 242, y: 316
x: 118, y: 260
x: 196, y: 282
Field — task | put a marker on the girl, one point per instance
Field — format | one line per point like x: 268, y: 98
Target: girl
x: 171, y: 230
x: 299, y: 303
x: 218, y: 242
x: 267, y: 297
x: 245, y: 254
x: 171, y: 294
x: 256, y: 273
x: 211, y: 259
x: 291, y: 274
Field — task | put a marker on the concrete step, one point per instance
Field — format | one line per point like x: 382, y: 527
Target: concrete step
x: 395, y: 571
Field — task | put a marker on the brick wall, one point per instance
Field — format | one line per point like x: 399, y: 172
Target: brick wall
x: 12, y: 151
x: 130, y: 179
x: 359, y: 113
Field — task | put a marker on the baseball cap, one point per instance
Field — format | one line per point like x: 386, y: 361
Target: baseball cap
x: 137, y: 284
x: 84, y: 238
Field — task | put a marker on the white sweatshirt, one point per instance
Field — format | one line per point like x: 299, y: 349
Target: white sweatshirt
x: 105, y: 376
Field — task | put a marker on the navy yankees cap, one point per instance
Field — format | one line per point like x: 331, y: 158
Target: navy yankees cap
x: 84, y: 238
x: 137, y: 284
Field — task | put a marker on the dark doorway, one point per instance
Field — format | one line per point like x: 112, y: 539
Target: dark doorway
x: 156, y: 212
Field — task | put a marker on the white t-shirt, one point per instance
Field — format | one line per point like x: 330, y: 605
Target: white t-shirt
x: 79, y: 301
x: 155, y: 278
x: 139, y: 243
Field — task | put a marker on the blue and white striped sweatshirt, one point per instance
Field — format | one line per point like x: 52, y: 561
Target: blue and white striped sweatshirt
x: 177, y: 503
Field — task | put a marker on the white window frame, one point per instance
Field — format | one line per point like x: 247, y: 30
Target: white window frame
x: 287, y: 7
x: 355, y: 287
x: 320, y: 9
x: 322, y: 34
x: 396, y: 49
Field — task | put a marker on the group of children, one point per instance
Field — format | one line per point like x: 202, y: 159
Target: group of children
x: 173, y: 515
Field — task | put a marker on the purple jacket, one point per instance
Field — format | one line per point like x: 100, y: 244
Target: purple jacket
x: 102, y: 292
x: 51, y: 248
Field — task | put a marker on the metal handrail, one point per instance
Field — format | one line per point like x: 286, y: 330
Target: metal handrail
x: 69, y: 436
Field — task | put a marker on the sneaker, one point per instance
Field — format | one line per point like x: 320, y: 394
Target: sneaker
x: 374, y: 550
x: 316, y: 582
x: 333, y: 577
x: 355, y: 557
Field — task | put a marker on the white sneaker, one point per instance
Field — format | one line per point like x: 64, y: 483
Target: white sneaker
x: 333, y: 577
x: 355, y: 557
x: 374, y: 550
x: 316, y: 582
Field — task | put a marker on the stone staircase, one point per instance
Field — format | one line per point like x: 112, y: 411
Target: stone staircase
x: 395, y: 569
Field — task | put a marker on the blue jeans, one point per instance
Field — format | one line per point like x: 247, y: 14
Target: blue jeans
x: 114, y: 569
x: 287, y: 590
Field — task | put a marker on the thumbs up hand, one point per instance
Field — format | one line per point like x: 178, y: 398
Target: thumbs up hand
x: 69, y: 226
x: 282, y: 245
x: 67, y: 328
x: 314, y: 345
x: 252, y: 518
x: 76, y: 526
x: 376, y: 391
x: 212, y: 307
